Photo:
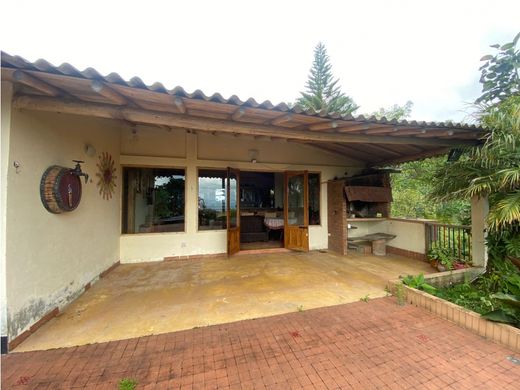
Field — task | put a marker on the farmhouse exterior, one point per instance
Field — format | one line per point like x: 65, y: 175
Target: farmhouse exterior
x: 208, y: 155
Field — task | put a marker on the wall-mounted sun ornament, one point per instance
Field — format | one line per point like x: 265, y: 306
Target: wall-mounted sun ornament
x: 106, y: 176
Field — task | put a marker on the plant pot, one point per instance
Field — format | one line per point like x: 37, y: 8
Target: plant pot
x: 459, y: 266
x: 441, y: 268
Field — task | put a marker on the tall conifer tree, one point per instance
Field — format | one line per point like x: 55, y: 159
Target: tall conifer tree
x: 322, y: 91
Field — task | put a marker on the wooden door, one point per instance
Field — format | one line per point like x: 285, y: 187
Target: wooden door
x: 233, y: 211
x: 296, y: 211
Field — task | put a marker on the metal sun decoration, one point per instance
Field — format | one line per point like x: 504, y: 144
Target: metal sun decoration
x: 106, y: 176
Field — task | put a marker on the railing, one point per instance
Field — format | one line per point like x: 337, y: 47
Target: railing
x: 455, y: 237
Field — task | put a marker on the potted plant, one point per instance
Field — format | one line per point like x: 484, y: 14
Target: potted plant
x: 441, y: 258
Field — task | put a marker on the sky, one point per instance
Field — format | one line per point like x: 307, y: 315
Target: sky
x: 383, y: 52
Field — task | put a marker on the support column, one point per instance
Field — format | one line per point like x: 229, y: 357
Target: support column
x: 7, y: 95
x: 479, y: 213
x: 191, y: 202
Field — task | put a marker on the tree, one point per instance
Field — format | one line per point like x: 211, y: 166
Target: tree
x: 491, y: 170
x: 500, y: 76
x: 322, y: 91
x: 395, y: 112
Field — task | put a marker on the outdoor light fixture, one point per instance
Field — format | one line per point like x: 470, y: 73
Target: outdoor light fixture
x: 89, y: 150
x: 253, y: 155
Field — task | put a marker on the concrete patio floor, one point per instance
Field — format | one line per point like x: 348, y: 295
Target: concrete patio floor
x: 135, y: 300
x: 373, y: 345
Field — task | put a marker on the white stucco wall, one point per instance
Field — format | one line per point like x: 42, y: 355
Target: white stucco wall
x: 208, y: 151
x: 51, y: 257
x: 409, y: 233
x: 7, y: 91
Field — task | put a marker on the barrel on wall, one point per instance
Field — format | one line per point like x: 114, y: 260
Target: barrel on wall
x: 60, y: 189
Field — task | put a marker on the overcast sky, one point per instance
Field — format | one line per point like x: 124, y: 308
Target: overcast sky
x: 384, y: 52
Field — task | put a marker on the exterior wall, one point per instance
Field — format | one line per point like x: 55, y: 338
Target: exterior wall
x: 410, y: 235
x: 50, y: 258
x: 409, y: 241
x: 7, y: 91
x: 208, y: 151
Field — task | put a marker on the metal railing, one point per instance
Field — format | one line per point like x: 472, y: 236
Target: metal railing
x: 455, y: 237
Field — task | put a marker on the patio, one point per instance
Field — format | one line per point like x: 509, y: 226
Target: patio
x: 136, y: 300
x: 361, y: 345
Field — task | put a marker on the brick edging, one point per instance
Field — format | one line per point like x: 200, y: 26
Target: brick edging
x: 52, y: 313
x: 406, y: 253
x: 504, y: 334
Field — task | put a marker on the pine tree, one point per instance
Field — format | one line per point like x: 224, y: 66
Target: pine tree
x: 322, y: 91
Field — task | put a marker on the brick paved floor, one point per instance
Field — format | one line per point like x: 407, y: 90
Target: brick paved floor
x: 360, y: 345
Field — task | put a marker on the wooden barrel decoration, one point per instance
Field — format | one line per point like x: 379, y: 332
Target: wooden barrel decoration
x: 60, y: 189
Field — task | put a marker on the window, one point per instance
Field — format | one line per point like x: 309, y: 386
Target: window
x: 314, y: 198
x: 153, y: 200
x: 212, y: 199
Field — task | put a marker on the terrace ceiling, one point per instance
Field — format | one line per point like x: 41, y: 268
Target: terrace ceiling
x: 43, y: 86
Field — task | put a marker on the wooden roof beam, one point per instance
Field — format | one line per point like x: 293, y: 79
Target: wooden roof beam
x: 179, y: 104
x: 209, y: 124
x: 331, y: 125
x: 356, y: 127
x: 39, y: 85
x: 281, y: 119
x: 413, y: 157
x: 239, y: 113
x: 108, y: 93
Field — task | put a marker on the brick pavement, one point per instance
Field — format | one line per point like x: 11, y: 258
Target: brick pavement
x: 360, y: 345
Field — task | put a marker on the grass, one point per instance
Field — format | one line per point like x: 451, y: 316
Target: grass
x: 127, y: 384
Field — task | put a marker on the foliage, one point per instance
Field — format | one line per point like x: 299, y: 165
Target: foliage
x: 322, y: 91
x: 127, y: 384
x: 418, y: 282
x: 494, y: 294
x: 509, y: 313
x: 169, y: 198
x: 443, y: 255
x: 411, y: 188
x: 395, y: 112
x: 365, y: 298
x: 399, y: 294
x: 491, y: 170
x: 500, y: 73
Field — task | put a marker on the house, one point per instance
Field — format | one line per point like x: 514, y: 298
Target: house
x: 173, y: 174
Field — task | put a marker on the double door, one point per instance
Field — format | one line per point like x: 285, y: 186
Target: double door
x: 296, y: 211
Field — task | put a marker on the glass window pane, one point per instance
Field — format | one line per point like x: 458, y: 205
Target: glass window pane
x: 295, y: 208
x: 314, y: 198
x: 212, y: 199
x: 233, y: 200
x: 153, y: 200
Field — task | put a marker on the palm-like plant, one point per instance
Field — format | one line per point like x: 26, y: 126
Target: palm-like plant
x: 490, y: 170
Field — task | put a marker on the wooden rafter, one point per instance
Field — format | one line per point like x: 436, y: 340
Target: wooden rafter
x: 179, y: 103
x: 39, y: 85
x: 281, y: 119
x: 324, y: 126
x: 209, y: 124
x: 418, y: 156
x: 239, y: 113
x: 342, y: 150
x: 108, y: 93
x: 356, y: 127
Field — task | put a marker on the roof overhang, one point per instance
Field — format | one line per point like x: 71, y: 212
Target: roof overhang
x: 64, y: 89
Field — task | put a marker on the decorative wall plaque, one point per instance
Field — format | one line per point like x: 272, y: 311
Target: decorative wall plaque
x: 106, y: 175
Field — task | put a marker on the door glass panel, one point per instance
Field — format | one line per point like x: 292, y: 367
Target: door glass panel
x: 233, y: 191
x: 296, y: 194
